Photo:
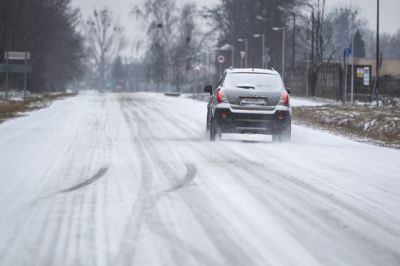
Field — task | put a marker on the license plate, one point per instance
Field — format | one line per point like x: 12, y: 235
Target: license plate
x: 258, y: 101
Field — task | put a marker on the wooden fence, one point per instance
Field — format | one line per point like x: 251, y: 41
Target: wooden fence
x: 328, y: 83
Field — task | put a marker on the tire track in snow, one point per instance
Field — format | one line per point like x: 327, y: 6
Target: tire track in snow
x: 102, y: 171
x: 232, y: 253
x: 146, y: 140
x: 300, y: 191
x: 307, y: 188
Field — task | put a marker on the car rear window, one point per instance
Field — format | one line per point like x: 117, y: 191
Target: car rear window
x: 260, y: 81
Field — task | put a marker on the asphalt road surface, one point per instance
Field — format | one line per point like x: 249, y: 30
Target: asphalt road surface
x: 114, y: 179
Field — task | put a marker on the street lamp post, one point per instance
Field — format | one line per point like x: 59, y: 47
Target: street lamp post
x: 352, y: 68
x: 246, y: 48
x: 285, y: 10
x: 294, y: 39
x: 311, y: 77
x: 312, y: 30
x: 262, y: 49
x: 283, y: 49
x: 376, y: 89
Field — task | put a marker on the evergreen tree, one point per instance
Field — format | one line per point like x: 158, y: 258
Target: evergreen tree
x: 359, y: 45
x: 47, y: 29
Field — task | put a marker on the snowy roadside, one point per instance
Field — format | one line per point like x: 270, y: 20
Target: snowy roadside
x: 361, y: 122
x: 16, y: 106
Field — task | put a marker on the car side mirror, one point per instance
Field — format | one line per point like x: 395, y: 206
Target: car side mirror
x: 289, y: 91
x: 208, y: 89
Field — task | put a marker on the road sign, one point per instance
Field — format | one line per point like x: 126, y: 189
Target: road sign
x: 10, y: 55
x: 221, y: 59
x: 242, y: 54
x: 15, y: 68
x: 197, y: 69
x: 347, y: 52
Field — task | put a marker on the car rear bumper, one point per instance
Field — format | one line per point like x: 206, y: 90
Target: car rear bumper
x: 253, y: 122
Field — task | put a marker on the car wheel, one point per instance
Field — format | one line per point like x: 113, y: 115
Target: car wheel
x: 286, y: 134
x: 276, y: 138
x: 218, y: 131
x: 208, y: 122
x: 213, y: 133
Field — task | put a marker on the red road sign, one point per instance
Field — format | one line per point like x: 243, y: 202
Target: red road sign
x: 221, y: 59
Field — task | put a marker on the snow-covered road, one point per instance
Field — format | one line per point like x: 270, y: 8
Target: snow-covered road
x: 107, y: 179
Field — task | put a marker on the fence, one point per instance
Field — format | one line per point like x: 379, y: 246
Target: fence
x: 389, y: 85
x: 328, y: 82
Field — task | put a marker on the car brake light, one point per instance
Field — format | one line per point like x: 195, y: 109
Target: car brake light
x: 285, y: 98
x: 220, y: 96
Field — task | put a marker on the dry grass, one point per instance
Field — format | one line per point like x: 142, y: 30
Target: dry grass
x: 365, y: 123
x: 11, y: 109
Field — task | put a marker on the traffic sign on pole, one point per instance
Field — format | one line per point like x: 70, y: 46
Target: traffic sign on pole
x: 197, y: 69
x: 10, y: 55
x: 242, y: 54
x: 347, y: 52
x: 221, y: 59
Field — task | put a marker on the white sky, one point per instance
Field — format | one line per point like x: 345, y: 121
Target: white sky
x: 390, y: 18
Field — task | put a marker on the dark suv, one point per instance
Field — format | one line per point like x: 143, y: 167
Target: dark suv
x: 249, y: 101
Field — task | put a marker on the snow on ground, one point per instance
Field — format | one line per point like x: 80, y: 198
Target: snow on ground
x: 300, y: 101
x: 131, y: 179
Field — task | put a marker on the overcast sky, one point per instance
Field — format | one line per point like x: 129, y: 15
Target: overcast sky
x: 390, y: 17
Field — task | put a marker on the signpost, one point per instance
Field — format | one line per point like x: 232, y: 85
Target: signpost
x: 346, y: 54
x: 16, y: 68
x: 242, y: 55
x: 197, y: 69
x: 221, y: 60
x: 267, y: 58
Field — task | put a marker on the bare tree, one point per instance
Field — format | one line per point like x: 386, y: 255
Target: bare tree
x: 171, y: 40
x: 105, y: 40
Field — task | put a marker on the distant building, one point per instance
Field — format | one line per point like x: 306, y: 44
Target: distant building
x: 389, y: 66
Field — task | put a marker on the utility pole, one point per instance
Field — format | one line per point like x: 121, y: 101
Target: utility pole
x: 376, y: 89
x: 352, y: 68
x: 294, y: 40
x: 8, y: 69
x: 283, y: 9
x: 283, y: 49
x: 262, y: 48
x: 246, y: 48
x: 311, y: 74
x: 233, y: 55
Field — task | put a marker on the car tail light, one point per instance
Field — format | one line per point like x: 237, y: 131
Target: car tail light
x: 220, y: 96
x: 284, y: 99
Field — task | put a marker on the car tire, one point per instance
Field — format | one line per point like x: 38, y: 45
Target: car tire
x: 208, y: 122
x: 286, y: 134
x: 218, y: 131
x: 276, y: 138
x: 213, y: 133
